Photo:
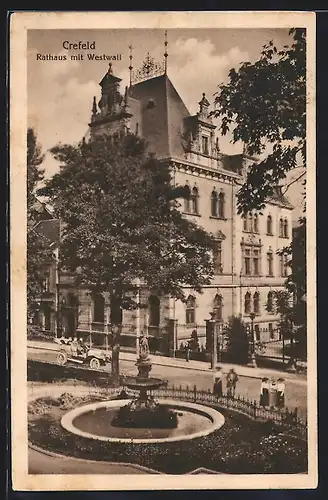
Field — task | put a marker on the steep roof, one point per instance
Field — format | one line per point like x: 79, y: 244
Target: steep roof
x: 280, y: 198
x: 44, y: 212
x: 162, y: 115
x: 49, y: 230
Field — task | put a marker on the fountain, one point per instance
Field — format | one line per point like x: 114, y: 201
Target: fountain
x: 142, y: 419
x: 142, y: 382
x: 144, y: 411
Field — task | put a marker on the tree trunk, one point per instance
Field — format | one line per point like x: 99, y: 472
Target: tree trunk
x: 116, y: 322
x: 116, y: 345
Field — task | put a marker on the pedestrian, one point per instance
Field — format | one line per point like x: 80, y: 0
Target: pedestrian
x: 273, y: 393
x: 280, y: 393
x: 74, y: 346
x: 264, y: 396
x: 217, y: 383
x: 232, y: 379
x: 187, y: 353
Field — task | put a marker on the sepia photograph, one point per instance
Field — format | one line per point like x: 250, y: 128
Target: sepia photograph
x: 163, y: 250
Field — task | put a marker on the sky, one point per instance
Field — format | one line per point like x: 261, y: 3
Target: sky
x: 60, y: 93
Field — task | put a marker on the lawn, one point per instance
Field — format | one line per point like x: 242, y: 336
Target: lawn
x: 241, y: 446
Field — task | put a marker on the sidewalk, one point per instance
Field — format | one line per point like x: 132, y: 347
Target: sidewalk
x: 201, y: 366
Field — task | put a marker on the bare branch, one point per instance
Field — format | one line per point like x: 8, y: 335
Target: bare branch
x: 293, y: 182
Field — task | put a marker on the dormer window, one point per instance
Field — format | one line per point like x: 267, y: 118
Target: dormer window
x: 205, y: 145
x: 151, y: 104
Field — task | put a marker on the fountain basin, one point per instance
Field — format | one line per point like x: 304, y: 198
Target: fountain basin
x: 196, y: 421
x: 147, y: 383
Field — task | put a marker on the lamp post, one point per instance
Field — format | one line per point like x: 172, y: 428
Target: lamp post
x: 57, y: 296
x: 253, y: 358
x: 138, y: 318
x: 220, y: 338
x: 213, y: 333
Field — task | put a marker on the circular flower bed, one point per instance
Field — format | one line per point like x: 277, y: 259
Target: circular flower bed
x: 241, y: 446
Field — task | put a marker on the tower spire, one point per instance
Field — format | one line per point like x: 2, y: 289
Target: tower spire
x: 130, y: 67
x: 165, y: 51
x: 94, y: 108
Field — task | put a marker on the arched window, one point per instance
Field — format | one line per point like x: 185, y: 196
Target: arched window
x: 256, y: 223
x: 221, y: 205
x: 154, y: 310
x: 270, y: 262
x: 187, y: 200
x: 283, y: 264
x: 194, y: 200
x: 190, y: 310
x: 269, y: 225
x: 250, y: 222
x: 247, y: 306
x: 244, y: 222
x: 217, y: 257
x: 256, y: 303
x: 217, y: 307
x: 285, y: 228
x: 71, y: 300
x: 214, y: 204
x: 270, y: 302
x: 98, y: 308
x: 281, y: 228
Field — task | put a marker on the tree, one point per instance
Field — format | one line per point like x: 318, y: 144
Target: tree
x: 194, y: 341
x: 237, y: 340
x: 264, y: 104
x: 290, y: 303
x: 38, y: 252
x: 121, y: 223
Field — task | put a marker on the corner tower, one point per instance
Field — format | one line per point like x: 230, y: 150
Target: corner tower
x: 112, y: 115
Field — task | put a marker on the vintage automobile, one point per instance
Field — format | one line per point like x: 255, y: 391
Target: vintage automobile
x: 77, y: 352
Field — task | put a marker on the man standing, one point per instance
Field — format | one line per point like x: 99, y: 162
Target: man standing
x: 187, y: 352
x: 232, y: 379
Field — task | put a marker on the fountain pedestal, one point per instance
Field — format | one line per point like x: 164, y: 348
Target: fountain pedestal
x: 142, y: 382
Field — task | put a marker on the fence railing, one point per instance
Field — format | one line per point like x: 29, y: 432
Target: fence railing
x: 285, y: 418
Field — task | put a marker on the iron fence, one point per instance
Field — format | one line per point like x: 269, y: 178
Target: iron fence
x: 285, y: 418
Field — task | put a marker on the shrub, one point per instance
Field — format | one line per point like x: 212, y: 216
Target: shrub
x: 237, y: 341
x: 161, y: 417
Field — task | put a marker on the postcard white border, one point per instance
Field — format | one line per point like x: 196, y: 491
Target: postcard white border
x: 20, y: 22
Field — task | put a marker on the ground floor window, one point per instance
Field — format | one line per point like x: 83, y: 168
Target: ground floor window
x: 190, y: 310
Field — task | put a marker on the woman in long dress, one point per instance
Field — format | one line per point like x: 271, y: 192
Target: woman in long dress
x: 264, y: 396
x: 280, y: 393
x: 217, y: 386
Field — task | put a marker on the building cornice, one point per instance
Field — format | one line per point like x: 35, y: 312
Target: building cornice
x: 202, y: 171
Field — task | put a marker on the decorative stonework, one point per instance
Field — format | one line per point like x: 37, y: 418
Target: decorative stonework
x: 205, y: 172
x: 149, y: 69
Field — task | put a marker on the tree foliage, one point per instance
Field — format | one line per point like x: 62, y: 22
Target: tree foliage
x: 291, y: 303
x: 121, y: 222
x: 237, y: 340
x: 264, y: 106
x: 38, y: 252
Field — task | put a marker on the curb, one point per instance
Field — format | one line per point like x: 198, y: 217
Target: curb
x: 87, y: 461
x: 196, y: 368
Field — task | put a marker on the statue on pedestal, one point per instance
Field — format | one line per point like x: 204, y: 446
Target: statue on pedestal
x: 143, y: 347
x: 143, y: 362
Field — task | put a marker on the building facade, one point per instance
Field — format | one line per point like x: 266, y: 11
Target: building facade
x: 247, y: 266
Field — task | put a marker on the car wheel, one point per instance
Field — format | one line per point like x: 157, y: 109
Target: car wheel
x: 94, y: 363
x: 61, y: 358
